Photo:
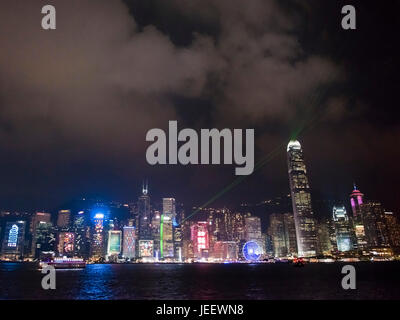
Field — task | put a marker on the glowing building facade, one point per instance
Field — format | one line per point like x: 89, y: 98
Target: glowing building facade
x: 129, y: 242
x: 97, y: 245
x: 166, y: 237
x: 301, y: 201
x: 166, y: 228
x: 146, y: 249
x: 356, y: 202
x: 114, y: 243
x: 200, y: 239
x: 343, y: 229
x: 14, y: 240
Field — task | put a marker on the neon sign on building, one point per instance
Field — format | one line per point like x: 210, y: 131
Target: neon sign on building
x: 201, y: 240
x: 13, y: 236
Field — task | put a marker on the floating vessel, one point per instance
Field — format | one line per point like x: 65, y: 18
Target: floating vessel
x: 64, y: 263
x: 298, y: 262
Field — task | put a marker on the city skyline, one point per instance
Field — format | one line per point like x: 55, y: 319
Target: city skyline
x: 200, y: 150
x: 165, y: 233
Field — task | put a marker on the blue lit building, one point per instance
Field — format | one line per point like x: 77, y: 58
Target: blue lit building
x: 13, y: 247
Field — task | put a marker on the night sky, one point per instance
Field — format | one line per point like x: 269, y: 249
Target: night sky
x: 76, y: 102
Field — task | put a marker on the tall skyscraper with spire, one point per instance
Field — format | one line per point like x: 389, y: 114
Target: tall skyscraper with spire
x: 356, y: 202
x: 306, y: 234
x: 144, y: 214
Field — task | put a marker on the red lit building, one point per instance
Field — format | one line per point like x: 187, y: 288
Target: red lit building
x: 200, y: 239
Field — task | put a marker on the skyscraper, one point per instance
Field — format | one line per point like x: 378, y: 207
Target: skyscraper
x: 97, y: 245
x: 325, y: 246
x: 155, y: 227
x: 199, y: 237
x: 144, y: 214
x: 277, y: 233
x: 343, y: 229
x: 393, y: 228
x: 169, y: 207
x: 63, y: 219
x: 114, y: 244
x: 374, y: 219
x: 178, y: 243
x: 356, y: 202
x: 166, y: 228
x: 301, y: 201
x: 66, y: 244
x: 44, y: 238
x: 129, y: 242
x: 283, y: 234
x: 252, y: 231
x: 37, y: 218
x: 14, y: 240
x: 82, y: 235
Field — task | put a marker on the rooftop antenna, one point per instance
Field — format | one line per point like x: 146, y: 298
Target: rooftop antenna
x: 145, y: 188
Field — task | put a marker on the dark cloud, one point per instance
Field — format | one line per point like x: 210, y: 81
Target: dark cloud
x: 76, y: 103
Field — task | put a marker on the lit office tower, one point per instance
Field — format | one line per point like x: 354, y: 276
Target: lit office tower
x: 114, y: 244
x: 225, y: 251
x: 393, y: 226
x: 199, y: 237
x: 252, y: 230
x: 80, y: 220
x: 144, y: 214
x: 237, y: 227
x: 166, y: 228
x: 44, y: 238
x: 63, y: 219
x: 301, y: 201
x: 14, y: 240
x: 169, y: 208
x: 97, y: 246
x: 82, y: 237
x: 66, y: 244
x: 277, y: 233
x: 356, y: 202
x: 37, y: 218
x: 178, y: 243
x: 155, y: 227
x: 343, y: 229
x: 283, y: 233
x: 325, y: 246
x: 290, y: 234
x: 166, y: 237
x: 376, y: 230
x: 129, y: 242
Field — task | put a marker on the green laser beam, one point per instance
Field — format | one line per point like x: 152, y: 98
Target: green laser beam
x: 314, y: 100
x: 161, y: 236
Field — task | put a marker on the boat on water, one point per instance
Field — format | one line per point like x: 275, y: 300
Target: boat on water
x: 64, y: 263
x: 298, y: 262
